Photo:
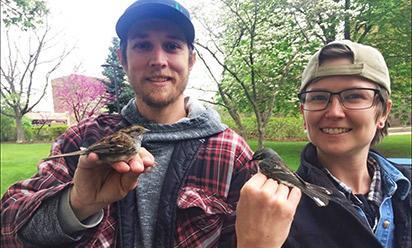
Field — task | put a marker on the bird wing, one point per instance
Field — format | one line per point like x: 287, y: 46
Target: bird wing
x: 279, y: 173
x: 111, y: 148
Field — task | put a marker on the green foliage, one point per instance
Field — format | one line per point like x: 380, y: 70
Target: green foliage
x: 116, y: 75
x: 263, y: 55
x: 26, y: 14
x: 48, y: 133
x: 392, y: 36
x: 265, y: 46
x: 278, y: 128
x: 8, y: 128
x: 28, y: 128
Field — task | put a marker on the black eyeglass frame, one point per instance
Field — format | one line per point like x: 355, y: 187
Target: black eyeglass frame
x: 377, y: 92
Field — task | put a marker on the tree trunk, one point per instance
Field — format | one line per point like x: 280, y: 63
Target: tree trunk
x: 261, y: 138
x: 19, y: 129
x: 238, y: 121
x: 347, y: 21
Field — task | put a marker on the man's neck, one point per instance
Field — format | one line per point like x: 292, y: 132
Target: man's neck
x: 163, y: 115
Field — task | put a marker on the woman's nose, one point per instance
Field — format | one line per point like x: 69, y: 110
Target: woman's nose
x: 335, y: 107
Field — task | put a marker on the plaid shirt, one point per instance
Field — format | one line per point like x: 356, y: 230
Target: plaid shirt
x: 374, y: 196
x: 213, y: 187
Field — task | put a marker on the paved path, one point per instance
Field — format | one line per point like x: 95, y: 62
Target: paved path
x: 399, y: 130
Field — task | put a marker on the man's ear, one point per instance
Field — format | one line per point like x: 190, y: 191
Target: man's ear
x: 192, y: 59
x: 123, y: 61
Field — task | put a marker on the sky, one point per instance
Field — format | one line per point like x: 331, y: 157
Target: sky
x: 89, y: 26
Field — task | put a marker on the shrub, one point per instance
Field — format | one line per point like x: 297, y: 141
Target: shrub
x: 48, y: 132
x: 8, y: 128
x: 28, y: 129
x: 278, y: 128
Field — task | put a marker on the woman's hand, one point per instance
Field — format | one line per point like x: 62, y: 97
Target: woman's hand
x: 265, y: 212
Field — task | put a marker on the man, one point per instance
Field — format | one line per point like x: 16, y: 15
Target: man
x: 345, y: 104
x: 187, y: 199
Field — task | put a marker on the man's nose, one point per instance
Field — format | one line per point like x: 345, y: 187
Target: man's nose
x: 158, y: 57
x: 335, y: 107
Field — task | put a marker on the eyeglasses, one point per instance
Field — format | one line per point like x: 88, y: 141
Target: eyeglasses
x: 355, y: 98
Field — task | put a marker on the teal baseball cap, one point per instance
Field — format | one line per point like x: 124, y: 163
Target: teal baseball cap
x: 160, y: 9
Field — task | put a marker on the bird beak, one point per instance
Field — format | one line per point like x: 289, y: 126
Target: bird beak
x: 146, y: 130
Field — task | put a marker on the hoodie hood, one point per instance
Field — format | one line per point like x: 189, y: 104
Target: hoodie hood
x: 201, y: 122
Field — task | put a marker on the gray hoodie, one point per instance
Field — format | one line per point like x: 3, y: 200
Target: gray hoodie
x: 201, y: 122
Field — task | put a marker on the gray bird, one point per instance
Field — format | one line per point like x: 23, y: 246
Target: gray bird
x: 271, y: 165
x: 119, y: 146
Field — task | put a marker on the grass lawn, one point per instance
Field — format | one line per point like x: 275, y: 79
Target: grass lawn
x: 19, y: 161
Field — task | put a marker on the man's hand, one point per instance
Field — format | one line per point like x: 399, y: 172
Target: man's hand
x: 98, y: 184
x: 265, y: 212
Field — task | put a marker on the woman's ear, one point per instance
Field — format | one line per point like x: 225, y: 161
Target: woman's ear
x: 382, y: 119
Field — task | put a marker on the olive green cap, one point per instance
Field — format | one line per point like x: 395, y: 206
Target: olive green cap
x: 368, y: 62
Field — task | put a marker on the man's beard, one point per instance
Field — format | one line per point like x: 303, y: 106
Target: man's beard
x: 171, y: 98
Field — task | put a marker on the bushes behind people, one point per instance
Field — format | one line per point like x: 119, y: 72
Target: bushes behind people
x: 278, y: 128
x: 33, y: 133
x: 8, y: 129
x: 48, y: 132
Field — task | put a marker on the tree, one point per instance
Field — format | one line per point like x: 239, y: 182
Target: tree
x: 118, y: 87
x: 385, y: 24
x: 260, y: 50
x: 317, y: 20
x: 26, y: 14
x: 262, y: 47
x: 82, y: 96
x: 20, y: 72
x: 392, y: 36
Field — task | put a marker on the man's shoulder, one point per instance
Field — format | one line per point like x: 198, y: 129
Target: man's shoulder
x: 229, y: 135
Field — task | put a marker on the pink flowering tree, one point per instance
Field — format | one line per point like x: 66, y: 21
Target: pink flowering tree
x: 83, y: 96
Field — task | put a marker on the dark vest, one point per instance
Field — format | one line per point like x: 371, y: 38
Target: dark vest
x: 183, y: 158
x: 338, y: 224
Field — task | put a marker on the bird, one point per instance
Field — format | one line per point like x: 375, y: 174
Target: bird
x: 272, y: 166
x: 119, y: 146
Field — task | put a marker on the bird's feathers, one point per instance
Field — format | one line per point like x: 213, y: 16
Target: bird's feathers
x: 118, y: 146
x: 271, y: 165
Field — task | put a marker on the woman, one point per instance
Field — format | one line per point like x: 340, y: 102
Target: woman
x: 345, y: 104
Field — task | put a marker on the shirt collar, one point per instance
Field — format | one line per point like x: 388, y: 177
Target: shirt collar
x: 394, y: 180
x: 375, y: 188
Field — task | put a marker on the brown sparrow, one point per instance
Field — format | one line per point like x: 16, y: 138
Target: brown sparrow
x: 119, y: 146
x: 271, y: 165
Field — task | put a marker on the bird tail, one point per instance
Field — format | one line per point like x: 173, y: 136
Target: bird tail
x: 76, y: 153
x: 319, y: 194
